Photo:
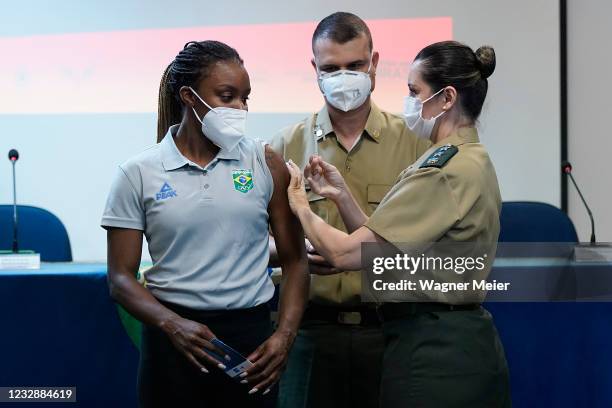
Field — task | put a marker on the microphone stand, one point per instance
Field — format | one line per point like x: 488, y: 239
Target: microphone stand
x: 592, y: 252
x: 569, y: 173
x: 15, y: 239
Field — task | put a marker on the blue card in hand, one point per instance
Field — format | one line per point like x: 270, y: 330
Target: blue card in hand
x: 236, y: 364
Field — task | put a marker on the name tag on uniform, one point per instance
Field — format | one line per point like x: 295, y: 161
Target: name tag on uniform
x: 237, y: 363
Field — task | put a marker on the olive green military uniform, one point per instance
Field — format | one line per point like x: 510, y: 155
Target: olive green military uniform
x: 436, y: 357
x: 337, y: 356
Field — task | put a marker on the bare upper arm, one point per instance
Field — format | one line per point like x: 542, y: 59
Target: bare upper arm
x: 124, y: 248
x: 286, y: 228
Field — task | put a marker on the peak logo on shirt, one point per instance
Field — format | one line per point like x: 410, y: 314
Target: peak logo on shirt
x: 243, y: 180
x: 165, y: 192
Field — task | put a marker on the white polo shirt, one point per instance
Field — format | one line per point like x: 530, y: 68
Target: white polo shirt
x: 207, y: 228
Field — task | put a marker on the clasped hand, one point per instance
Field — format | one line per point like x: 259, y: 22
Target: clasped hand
x: 325, y: 180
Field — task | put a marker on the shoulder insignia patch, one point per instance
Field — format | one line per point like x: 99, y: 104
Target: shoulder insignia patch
x: 440, y: 156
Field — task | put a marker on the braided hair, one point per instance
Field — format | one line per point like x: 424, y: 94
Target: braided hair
x: 192, y: 64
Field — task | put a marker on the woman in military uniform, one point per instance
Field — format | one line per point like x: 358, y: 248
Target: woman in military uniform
x: 438, y: 353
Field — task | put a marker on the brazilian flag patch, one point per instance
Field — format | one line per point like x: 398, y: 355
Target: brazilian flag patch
x: 243, y: 180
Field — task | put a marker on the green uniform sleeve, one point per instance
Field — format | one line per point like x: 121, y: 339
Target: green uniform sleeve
x: 419, y: 208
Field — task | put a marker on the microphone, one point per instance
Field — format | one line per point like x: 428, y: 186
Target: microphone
x: 566, y: 167
x: 13, y: 156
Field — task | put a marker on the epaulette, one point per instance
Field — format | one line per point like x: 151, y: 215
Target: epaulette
x: 440, y: 157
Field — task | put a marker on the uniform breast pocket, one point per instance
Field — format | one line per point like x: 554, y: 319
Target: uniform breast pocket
x: 318, y: 204
x: 376, y: 192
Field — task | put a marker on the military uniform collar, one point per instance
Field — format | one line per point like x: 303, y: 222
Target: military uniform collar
x: 375, y: 122
x: 323, y: 126
x: 172, y: 158
x: 461, y: 136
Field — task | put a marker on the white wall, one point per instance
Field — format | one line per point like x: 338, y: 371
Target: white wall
x: 590, y: 108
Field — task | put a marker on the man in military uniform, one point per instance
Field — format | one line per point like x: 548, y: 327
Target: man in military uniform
x: 336, y: 359
x: 441, y: 349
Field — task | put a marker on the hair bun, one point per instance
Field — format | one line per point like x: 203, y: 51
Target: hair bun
x: 485, y: 56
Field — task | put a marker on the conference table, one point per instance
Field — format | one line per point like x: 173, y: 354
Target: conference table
x: 60, y: 328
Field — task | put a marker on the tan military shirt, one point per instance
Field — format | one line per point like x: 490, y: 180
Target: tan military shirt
x: 370, y: 168
x: 458, y: 202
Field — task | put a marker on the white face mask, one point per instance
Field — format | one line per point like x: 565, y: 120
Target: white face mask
x: 346, y: 90
x: 225, y: 127
x: 413, y: 115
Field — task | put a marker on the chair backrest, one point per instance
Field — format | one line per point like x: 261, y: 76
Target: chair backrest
x: 39, y: 230
x: 524, y: 221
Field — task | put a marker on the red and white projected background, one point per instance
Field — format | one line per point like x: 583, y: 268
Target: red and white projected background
x: 119, y: 71
x: 79, y: 83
